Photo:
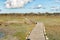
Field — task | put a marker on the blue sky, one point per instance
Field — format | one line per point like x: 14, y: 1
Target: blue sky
x: 33, y: 6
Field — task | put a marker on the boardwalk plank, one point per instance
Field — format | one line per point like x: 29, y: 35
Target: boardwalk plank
x: 37, y: 33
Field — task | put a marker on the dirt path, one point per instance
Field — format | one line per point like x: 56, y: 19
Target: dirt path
x: 38, y: 32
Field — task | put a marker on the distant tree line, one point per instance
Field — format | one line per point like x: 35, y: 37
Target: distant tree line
x: 30, y: 14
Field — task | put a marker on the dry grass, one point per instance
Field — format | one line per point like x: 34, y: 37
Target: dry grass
x: 52, y: 24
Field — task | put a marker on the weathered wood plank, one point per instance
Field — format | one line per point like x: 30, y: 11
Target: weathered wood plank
x: 38, y: 32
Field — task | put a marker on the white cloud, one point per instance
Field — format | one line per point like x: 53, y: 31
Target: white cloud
x: 16, y: 3
x: 57, y: 1
x: 55, y: 8
x: 38, y: 6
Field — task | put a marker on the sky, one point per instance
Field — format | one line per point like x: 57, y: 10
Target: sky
x: 26, y: 6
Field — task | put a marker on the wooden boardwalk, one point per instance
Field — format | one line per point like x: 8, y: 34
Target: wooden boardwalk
x: 38, y: 32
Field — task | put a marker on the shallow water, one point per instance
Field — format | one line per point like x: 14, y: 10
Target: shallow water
x: 2, y: 34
